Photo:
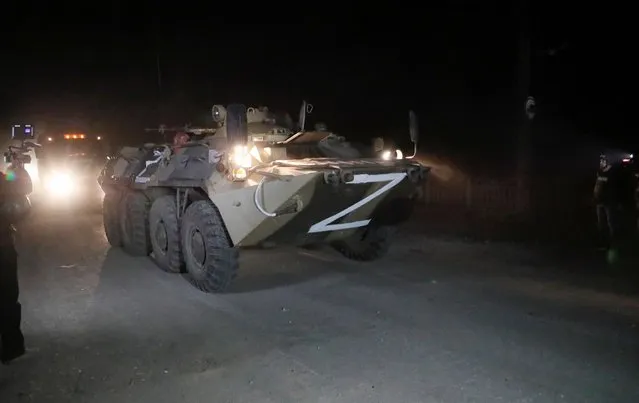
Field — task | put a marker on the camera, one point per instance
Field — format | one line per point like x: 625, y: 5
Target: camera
x: 10, y: 157
x: 23, y: 132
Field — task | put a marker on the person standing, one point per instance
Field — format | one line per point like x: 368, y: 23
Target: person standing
x: 15, y: 185
x: 607, y: 202
x: 637, y: 201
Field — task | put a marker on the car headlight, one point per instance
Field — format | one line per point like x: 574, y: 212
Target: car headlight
x: 241, y: 157
x: 241, y: 161
x: 60, y: 183
x: 388, y: 155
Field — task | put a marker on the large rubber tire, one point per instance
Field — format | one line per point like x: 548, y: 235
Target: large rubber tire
x: 372, y: 243
x: 134, y: 224
x: 164, y: 232
x: 111, y: 218
x: 211, y: 261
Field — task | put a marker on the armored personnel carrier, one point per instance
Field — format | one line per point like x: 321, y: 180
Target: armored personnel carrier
x: 249, y: 182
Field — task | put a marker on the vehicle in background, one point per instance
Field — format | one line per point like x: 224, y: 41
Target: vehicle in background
x: 69, y: 164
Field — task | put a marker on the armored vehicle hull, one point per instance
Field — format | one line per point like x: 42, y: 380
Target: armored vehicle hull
x: 195, y: 207
x: 317, y: 201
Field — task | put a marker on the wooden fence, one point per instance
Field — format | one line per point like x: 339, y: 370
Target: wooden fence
x: 499, y: 208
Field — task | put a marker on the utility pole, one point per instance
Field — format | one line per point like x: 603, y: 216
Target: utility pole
x: 524, y: 120
x: 159, y: 70
x: 159, y: 97
x: 156, y: 45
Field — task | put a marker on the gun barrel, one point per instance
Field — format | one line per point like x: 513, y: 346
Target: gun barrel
x: 182, y: 129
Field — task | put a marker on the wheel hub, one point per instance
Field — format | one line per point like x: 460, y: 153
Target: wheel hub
x: 161, y: 237
x: 198, y: 250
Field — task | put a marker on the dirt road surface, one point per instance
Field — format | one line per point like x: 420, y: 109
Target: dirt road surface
x: 435, y: 321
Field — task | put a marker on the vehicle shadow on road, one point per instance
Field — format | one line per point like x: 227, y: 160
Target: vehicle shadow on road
x: 272, y: 268
x: 260, y: 270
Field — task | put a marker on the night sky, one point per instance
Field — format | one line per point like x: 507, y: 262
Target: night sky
x: 457, y: 64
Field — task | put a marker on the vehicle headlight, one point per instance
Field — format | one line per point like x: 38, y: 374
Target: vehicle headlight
x: 60, y: 183
x: 241, y: 157
x: 388, y: 155
x: 241, y: 161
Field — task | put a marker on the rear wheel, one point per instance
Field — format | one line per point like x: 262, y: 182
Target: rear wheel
x: 211, y: 261
x: 164, y: 232
x: 134, y: 224
x: 366, y: 245
x: 111, y: 218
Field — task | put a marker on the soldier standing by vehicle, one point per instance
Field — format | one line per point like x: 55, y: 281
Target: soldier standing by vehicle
x: 179, y: 140
x: 15, y: 185
x: 608, y: 203
x: 637, y: 200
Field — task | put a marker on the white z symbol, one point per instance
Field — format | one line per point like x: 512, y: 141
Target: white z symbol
x: 393, y: 180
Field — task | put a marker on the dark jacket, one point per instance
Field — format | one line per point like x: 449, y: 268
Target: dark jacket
x: 615, y: 186
x: 606, y: 186
x: 14, y: 187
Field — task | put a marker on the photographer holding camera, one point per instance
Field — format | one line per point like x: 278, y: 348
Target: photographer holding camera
x: 15, y: 186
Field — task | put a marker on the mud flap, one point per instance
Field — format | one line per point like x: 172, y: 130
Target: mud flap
x: 394, y: 212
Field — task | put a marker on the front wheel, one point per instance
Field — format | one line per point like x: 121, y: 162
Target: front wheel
x: 111, y: 218
x: 369, y: 244
x: 134, y: 224
x: 164, y: 232
x: 211, y: 261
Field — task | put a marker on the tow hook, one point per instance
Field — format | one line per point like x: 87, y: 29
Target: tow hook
x: 336, y: 178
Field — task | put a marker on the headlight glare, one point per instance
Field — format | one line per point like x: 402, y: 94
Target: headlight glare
x: 241, y: 157
x: 60, y: 183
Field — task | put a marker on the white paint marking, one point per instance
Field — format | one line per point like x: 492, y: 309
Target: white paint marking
x: 393, y: 180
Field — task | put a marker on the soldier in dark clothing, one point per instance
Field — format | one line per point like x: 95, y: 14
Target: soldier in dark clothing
x: 613, y: 195
x: 607, y: 198
x: 637, y: 198
x: 14, y: 187
x: 636, y: 201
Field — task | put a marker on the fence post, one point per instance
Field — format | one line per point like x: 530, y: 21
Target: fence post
x: 469, y: 193
x: 427, y: 189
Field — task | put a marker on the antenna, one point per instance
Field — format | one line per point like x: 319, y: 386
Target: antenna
x: 159, y: 70
x: 158, y: 66
x: 159, y: 101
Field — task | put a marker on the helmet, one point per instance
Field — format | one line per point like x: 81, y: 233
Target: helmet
x: 614, y: 157
x: 321, y: 127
